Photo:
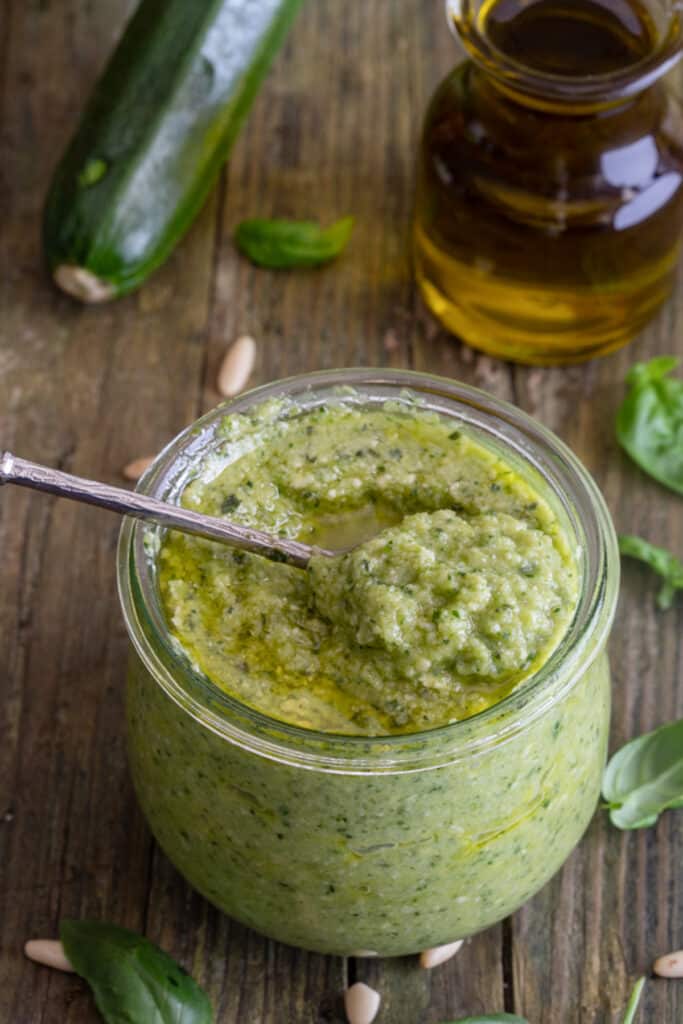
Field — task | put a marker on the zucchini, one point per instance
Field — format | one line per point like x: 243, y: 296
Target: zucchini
x: 153, y: 137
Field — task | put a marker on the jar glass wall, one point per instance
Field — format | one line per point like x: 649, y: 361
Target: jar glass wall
x: 347, y: 844
x: 549, y: 202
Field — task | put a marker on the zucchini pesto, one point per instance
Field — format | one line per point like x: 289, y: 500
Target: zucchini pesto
x: 461, y: 588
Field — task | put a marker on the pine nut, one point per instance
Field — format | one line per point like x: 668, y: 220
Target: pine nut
x: 669, y: 966
x: 49, y: 952
x: 134, y: 470
x: 439, y: 954
x: 361, y: 1003
x: 237, y: 365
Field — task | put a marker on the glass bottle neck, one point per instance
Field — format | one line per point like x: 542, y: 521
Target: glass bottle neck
x: 512, y: 93
x: 569, y: 58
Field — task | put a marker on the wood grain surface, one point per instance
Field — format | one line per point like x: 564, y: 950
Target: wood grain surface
x: 334, y: 131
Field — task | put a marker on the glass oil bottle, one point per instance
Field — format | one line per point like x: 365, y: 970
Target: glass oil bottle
x: 549, y: 203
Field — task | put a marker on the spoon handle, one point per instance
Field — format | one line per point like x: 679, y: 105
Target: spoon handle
x: 14, y: 470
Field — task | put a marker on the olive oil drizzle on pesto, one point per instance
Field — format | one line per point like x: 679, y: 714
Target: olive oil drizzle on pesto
x: 462, y: 588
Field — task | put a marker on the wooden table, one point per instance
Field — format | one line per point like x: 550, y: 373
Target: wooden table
x: 333, y: 132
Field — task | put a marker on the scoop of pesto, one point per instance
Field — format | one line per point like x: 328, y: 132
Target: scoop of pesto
x: 445, y: 597
x: 461, y: 587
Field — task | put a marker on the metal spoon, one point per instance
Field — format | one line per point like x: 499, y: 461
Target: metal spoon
x: 14, y: 470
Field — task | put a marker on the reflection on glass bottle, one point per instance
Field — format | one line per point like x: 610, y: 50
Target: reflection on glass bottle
x: 550, y: 201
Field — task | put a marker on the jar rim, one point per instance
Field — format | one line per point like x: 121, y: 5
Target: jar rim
x: 549, y: 89
x: 518, y: 433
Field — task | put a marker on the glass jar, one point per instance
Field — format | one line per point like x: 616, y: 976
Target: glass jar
x: 549, y: 202
x: 364, y: 845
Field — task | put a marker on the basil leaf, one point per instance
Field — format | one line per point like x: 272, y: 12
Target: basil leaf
x: 281, y: 244
x: 659, y: 559
x: 633, y: 1002
x: 650, y: 420
x: 645, y: 777
x: 133, y: 981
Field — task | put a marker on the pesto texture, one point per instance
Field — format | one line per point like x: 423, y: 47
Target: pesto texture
x: 393, y: 863
x: 461, y: 587
x: 454, y: 607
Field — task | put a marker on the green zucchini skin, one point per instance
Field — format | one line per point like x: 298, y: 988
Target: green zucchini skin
x: 155, y: 134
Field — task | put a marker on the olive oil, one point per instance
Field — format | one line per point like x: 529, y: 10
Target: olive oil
x: 574, y: 37
x: 550, y: 200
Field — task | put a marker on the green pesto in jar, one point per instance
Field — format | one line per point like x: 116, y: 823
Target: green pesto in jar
x: 463, y: 583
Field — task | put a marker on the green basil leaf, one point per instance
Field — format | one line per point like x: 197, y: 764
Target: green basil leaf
x: 645, y: 778
x: 133, y: 981
x: 281, y: 244
x: 659, y: 559
x: 649, y: 373
x: 650, y: 420
x: 634, y: 1001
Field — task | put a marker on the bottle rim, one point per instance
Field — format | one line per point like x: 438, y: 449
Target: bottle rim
x: 523, y: 439
x: 549, y: 90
